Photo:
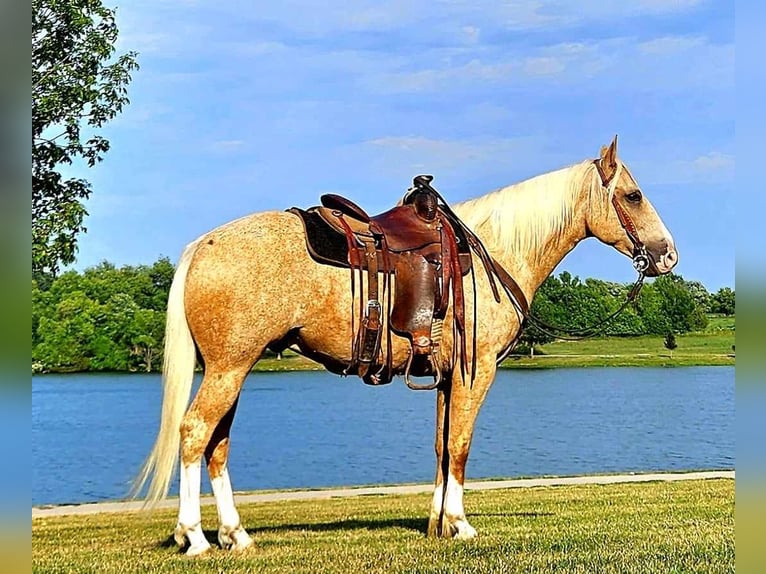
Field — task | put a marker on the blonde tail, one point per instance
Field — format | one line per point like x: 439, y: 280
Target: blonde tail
x: 177, y: 378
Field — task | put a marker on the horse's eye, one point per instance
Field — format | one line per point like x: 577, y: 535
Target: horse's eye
x: 634, y: 197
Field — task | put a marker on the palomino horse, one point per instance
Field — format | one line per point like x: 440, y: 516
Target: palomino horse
x: 250, y: 284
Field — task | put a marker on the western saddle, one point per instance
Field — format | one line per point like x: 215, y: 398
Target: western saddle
x: 428, y: 250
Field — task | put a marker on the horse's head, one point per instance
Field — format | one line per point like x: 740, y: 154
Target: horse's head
x: 626, y: 220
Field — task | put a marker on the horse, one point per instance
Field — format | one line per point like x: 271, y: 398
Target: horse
x: 250, y: 285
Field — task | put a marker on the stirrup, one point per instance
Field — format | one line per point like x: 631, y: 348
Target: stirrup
x: 427, y: 386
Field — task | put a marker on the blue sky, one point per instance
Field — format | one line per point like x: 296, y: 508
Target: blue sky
x: 242, y: 107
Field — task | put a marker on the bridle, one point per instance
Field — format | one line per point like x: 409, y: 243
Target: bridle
x: 641, y: 257
x: 641, y: 262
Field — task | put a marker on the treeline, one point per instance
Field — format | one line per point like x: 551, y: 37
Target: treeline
x: 667, y: 305
x: 104, y: 319
x: 113, y: 319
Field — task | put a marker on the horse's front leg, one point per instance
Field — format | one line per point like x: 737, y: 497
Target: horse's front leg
x: 457, y: 410
x: 434, y: 519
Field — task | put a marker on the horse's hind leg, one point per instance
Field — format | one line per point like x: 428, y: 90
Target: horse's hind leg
x: 215, y: 399
x: 231, y: 534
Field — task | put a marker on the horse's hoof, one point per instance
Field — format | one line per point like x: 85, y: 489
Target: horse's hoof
x: 197, y: 549
x: 458, y: 530
x: 464, y: 530
x: 242, y: 544
x: 179, y: 535
x: 195, y: 537
x: 433, y: 528
x: 235, y: 539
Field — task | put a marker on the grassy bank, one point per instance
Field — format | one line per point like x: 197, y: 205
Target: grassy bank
x: 712, y: 347
x: 641, y: 528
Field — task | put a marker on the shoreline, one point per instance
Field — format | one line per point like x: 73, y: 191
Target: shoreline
x: 514, y: 362
x: 47, y: 511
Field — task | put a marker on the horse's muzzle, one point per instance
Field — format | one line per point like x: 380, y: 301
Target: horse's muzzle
x: 659, y: 263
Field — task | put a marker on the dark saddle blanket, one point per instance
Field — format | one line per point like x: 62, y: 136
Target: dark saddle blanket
x: 425, y: 247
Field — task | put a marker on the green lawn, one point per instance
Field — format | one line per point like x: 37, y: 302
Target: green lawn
x: 628, y: 528
x: 289, y: 362
x: 710, y: 347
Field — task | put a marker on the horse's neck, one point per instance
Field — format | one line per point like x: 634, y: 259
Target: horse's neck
x: 529, y: 227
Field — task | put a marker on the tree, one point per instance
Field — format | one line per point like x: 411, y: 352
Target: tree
x: 670, y: 342
x: 103, y: 319
x: 723, y: 301
x: 77, y: 87
x: 678, y: 305
x: 146, y: 341
x: 699, y: 293
x: 68, y: 336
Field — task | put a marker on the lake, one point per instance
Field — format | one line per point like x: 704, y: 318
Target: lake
x: 91, y: 432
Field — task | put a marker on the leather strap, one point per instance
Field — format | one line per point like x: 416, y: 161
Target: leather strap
x: 627, y: 223
x: 354, y: 262
x: 369, y: 334
x: 641, y: 261
x: 451, y: 267
x: 511, y: 288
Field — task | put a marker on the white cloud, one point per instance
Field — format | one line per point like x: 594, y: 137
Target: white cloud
x: 714, y: 161
x: 662, y: 167
x: 674, y: 63
x: 471, y: 33
x: 252, y: 48
x: 667, y: 5
x: 430, y: 148
x: 417, y: 153
x: 544, y: 66
x: 423, y: 18
x: 668, y: 45
x: 534, y: 14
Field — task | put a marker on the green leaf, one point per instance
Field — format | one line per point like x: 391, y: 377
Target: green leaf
x: 77, y: 82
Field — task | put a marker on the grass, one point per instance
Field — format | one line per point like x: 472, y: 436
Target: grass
x: 290, y: 361
x: 667, y: 527
x: 711, y: 347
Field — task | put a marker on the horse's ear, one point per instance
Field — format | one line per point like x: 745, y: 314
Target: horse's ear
x: 608, y: 161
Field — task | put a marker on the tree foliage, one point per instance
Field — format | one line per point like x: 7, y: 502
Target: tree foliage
x: 667, y: 304
x: 104, y: 319
x: 723, y: 301
x: 670, y: 341
x: 77, y: 87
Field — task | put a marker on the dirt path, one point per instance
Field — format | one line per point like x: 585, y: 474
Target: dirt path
x: 245, y: 498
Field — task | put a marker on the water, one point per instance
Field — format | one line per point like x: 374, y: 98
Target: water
x: 90, y: 433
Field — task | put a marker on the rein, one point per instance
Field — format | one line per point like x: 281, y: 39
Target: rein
x: 641, y: 262
x: 585, y: 332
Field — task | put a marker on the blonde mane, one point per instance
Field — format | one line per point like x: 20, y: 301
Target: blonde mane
x: 522, y: 217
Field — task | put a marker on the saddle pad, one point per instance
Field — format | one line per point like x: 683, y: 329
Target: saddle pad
x: 324, y: 243
x: 329, y: 246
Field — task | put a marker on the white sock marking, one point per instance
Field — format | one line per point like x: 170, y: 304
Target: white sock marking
x: 454, y: 504
x: 188, y: 495
x: 224, y: 500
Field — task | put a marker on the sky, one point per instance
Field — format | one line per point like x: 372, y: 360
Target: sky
x: 241, y: 107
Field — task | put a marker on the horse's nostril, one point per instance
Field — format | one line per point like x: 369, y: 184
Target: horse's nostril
x: 671, y: 258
